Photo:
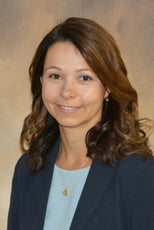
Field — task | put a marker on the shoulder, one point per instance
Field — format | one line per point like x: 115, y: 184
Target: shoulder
x: 22, y: 164
x: 22, y: 169
x: 135, y: 165
x: 136, y: 178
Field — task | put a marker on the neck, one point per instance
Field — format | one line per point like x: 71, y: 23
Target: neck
x: 73, y: 149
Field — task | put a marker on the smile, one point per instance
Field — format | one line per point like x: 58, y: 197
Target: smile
x: 68, y: 108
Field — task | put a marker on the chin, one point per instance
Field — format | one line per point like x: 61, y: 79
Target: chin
x: 68, y: 125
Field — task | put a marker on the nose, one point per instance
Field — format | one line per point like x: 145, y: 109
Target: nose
x: 68, y: 90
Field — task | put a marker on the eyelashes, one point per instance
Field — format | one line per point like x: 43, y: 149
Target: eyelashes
x: 55, y: 76
x: 85, y: 78
x: 80, y: 78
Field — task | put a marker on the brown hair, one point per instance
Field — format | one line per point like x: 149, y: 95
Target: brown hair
x: 120, y: 132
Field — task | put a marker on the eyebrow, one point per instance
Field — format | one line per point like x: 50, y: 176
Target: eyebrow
x: 83, y: 69
x: 78, y: 70
x: 53, y: 67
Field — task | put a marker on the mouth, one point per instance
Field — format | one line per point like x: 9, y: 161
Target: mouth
x: 68, y: 108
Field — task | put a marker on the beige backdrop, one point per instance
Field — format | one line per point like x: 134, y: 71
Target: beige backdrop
x: 22, y: 25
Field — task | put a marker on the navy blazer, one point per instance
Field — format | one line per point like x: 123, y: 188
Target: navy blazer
x: 113, y: 198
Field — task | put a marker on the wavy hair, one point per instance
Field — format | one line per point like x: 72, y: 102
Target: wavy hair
x: 120, y: 131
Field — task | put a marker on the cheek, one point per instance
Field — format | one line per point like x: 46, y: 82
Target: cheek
x: 47, y: 92
x: 95, y: 96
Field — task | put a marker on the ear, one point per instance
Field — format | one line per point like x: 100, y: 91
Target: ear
x: 41, y: 80
x: 106, y: 93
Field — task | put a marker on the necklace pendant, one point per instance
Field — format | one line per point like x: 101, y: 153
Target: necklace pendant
x: 65, y: 192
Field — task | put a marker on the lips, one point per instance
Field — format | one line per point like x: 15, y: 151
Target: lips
x: 68, y: 108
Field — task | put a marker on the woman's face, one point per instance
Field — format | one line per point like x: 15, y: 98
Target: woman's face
x: 71, y: 91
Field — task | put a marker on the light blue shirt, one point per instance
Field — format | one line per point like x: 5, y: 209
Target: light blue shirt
x: 61, y: 208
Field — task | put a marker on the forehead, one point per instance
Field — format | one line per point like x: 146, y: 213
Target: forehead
x: 64, y: 53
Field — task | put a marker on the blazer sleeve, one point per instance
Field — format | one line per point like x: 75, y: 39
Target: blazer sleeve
x: 138, y: 193
x: 13, y: 215
x: 14, y: 208
x: 143, y: 199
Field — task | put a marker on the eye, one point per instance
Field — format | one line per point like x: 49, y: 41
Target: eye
x: 85, y: 78
x: 55, y: 76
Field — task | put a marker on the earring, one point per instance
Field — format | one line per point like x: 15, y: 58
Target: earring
x: 105, y: 109
x: 106, y: 99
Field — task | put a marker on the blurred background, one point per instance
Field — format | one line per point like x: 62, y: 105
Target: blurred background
x: 23, y: 24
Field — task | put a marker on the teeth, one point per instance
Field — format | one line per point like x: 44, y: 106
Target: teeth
x: 67, y: 108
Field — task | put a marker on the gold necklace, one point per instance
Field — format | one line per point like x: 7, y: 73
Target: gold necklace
x: 65, y: 192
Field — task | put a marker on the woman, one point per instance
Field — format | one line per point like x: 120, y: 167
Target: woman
x: 87, y: 164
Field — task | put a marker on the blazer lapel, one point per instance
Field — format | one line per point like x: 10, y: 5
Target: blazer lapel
x: 43, y: 184
x: 97, y: 181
